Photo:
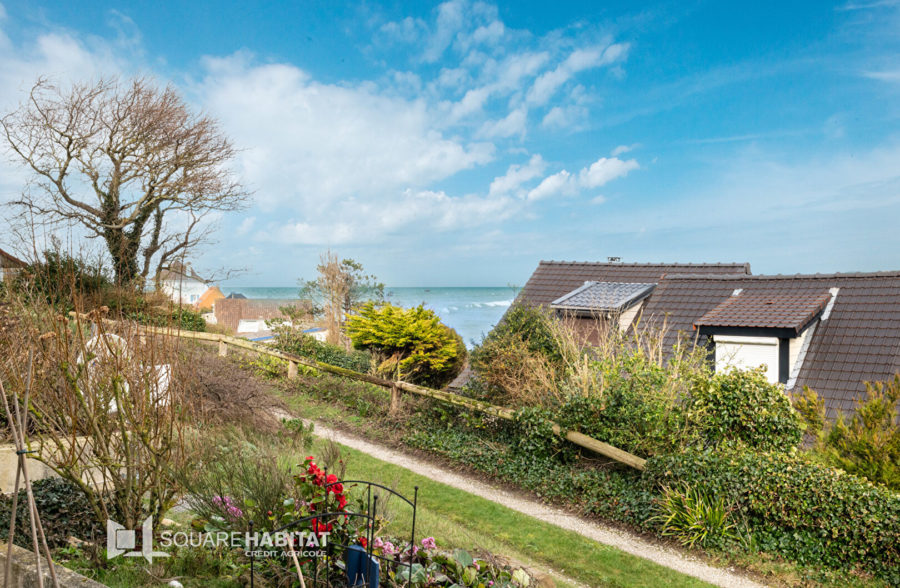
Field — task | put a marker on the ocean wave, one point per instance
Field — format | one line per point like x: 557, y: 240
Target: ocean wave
x: 491, y: 303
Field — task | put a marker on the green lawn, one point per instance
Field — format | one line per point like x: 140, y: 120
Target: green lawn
x: 457, y: 518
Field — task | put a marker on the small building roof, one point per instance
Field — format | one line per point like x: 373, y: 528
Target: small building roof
x: 10, y: 260
x: 767, y: 309
x: 176, y: 271
x: 231, y: 311
x: 603, y: 296
x: 210, y: 297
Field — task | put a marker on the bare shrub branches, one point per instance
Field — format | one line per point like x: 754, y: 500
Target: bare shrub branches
x: 109, y: 408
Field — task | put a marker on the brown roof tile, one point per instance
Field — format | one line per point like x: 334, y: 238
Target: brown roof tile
x: 553, y: 279
x: 786, y: 310
x: 852, y: 346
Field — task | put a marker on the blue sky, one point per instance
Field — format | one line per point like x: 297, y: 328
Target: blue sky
x: 459, y: 143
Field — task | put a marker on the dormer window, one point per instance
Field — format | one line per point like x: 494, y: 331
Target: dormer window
x: 763, y: 328
x: 619, y: 300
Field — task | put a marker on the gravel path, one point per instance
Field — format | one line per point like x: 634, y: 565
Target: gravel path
x: 627, y: 542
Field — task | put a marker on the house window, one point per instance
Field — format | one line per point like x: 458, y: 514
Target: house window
x: 748, y: 353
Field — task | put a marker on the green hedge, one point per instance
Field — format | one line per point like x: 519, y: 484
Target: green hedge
x: 811, y: 514
x: 742, y: 406
x: 308, y: 346
x: 183, y: 318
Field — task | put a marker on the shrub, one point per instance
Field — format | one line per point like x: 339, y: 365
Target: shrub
x: 693, y: 517
x: 741, y: 405
x: 809, y: 513
x: 226, y: 394
x: 634, y: 409
x: 180, y: 318
x: 109, y: 409
x: 412, y: 344
x: 234, y: 477
x: 520, y: 360
x: 292, y: 340
x: 63, y: 280
x: 868, y: 444
x: 64, y: 511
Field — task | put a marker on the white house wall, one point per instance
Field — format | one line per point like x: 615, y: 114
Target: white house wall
x: 184, y: 291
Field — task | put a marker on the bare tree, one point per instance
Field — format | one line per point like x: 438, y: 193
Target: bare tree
x: 340, y: 288
x: 123, y: 160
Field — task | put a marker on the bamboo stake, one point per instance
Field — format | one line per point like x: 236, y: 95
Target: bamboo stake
x: 34, y: 517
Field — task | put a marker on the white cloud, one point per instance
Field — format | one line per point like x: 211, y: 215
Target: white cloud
x: 546, y: 85
x: 565, y: 117
x: 623, y: 149
x: 246, y: 226
x: 890, y: 75
x: 311, y: 144
x: 558, y: 184
x: 604, y: 170
x: 599, y: 173
x: 512, y: 124
x: 517, y: 175
x: 364, y: 223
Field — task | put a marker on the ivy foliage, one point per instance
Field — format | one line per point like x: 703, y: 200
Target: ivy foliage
x: 64, y: 510
x: 806, y: 512
x: 411, y: 343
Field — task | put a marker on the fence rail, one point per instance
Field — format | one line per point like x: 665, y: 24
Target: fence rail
x: 395, y: 387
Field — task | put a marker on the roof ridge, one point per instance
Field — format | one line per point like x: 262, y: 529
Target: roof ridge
x: 782, y: 277
x: 644, y: 264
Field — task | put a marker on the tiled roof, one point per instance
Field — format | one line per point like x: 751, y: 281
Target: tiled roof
x: 859, y: 341
x: 553, y: 279
x: 231, y: 311
x: 10, y: 260
x: 603, y: 296
x: 784, y: 310
x: 177, y: 271
x: 209, y: 298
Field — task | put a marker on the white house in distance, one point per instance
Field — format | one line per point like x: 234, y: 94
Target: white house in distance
x: 181, y: 283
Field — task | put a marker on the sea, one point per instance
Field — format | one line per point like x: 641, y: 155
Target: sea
x: 472, y: 312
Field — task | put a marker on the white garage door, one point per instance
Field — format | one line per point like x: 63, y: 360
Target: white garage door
x: 746, y: 353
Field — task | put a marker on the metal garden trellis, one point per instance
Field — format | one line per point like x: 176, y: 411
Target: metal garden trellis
x: 371, y: 559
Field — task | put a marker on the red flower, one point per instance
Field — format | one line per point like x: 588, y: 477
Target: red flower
x: 363, y: 542
x: 337, y: 488
x: 318, y: 527
x: 342, y: 501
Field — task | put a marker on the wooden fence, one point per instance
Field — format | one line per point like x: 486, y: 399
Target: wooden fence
x: 396, y: 387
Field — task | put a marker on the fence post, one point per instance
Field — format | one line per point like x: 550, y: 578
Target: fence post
x: 292, y: 370
x: 395, y: 398
x: 223, y: 349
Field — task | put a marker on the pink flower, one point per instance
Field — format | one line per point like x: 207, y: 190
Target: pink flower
x: 389, y: 548
x: 429, y: 543
x: 377, y: 543
x: 226, y: 504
